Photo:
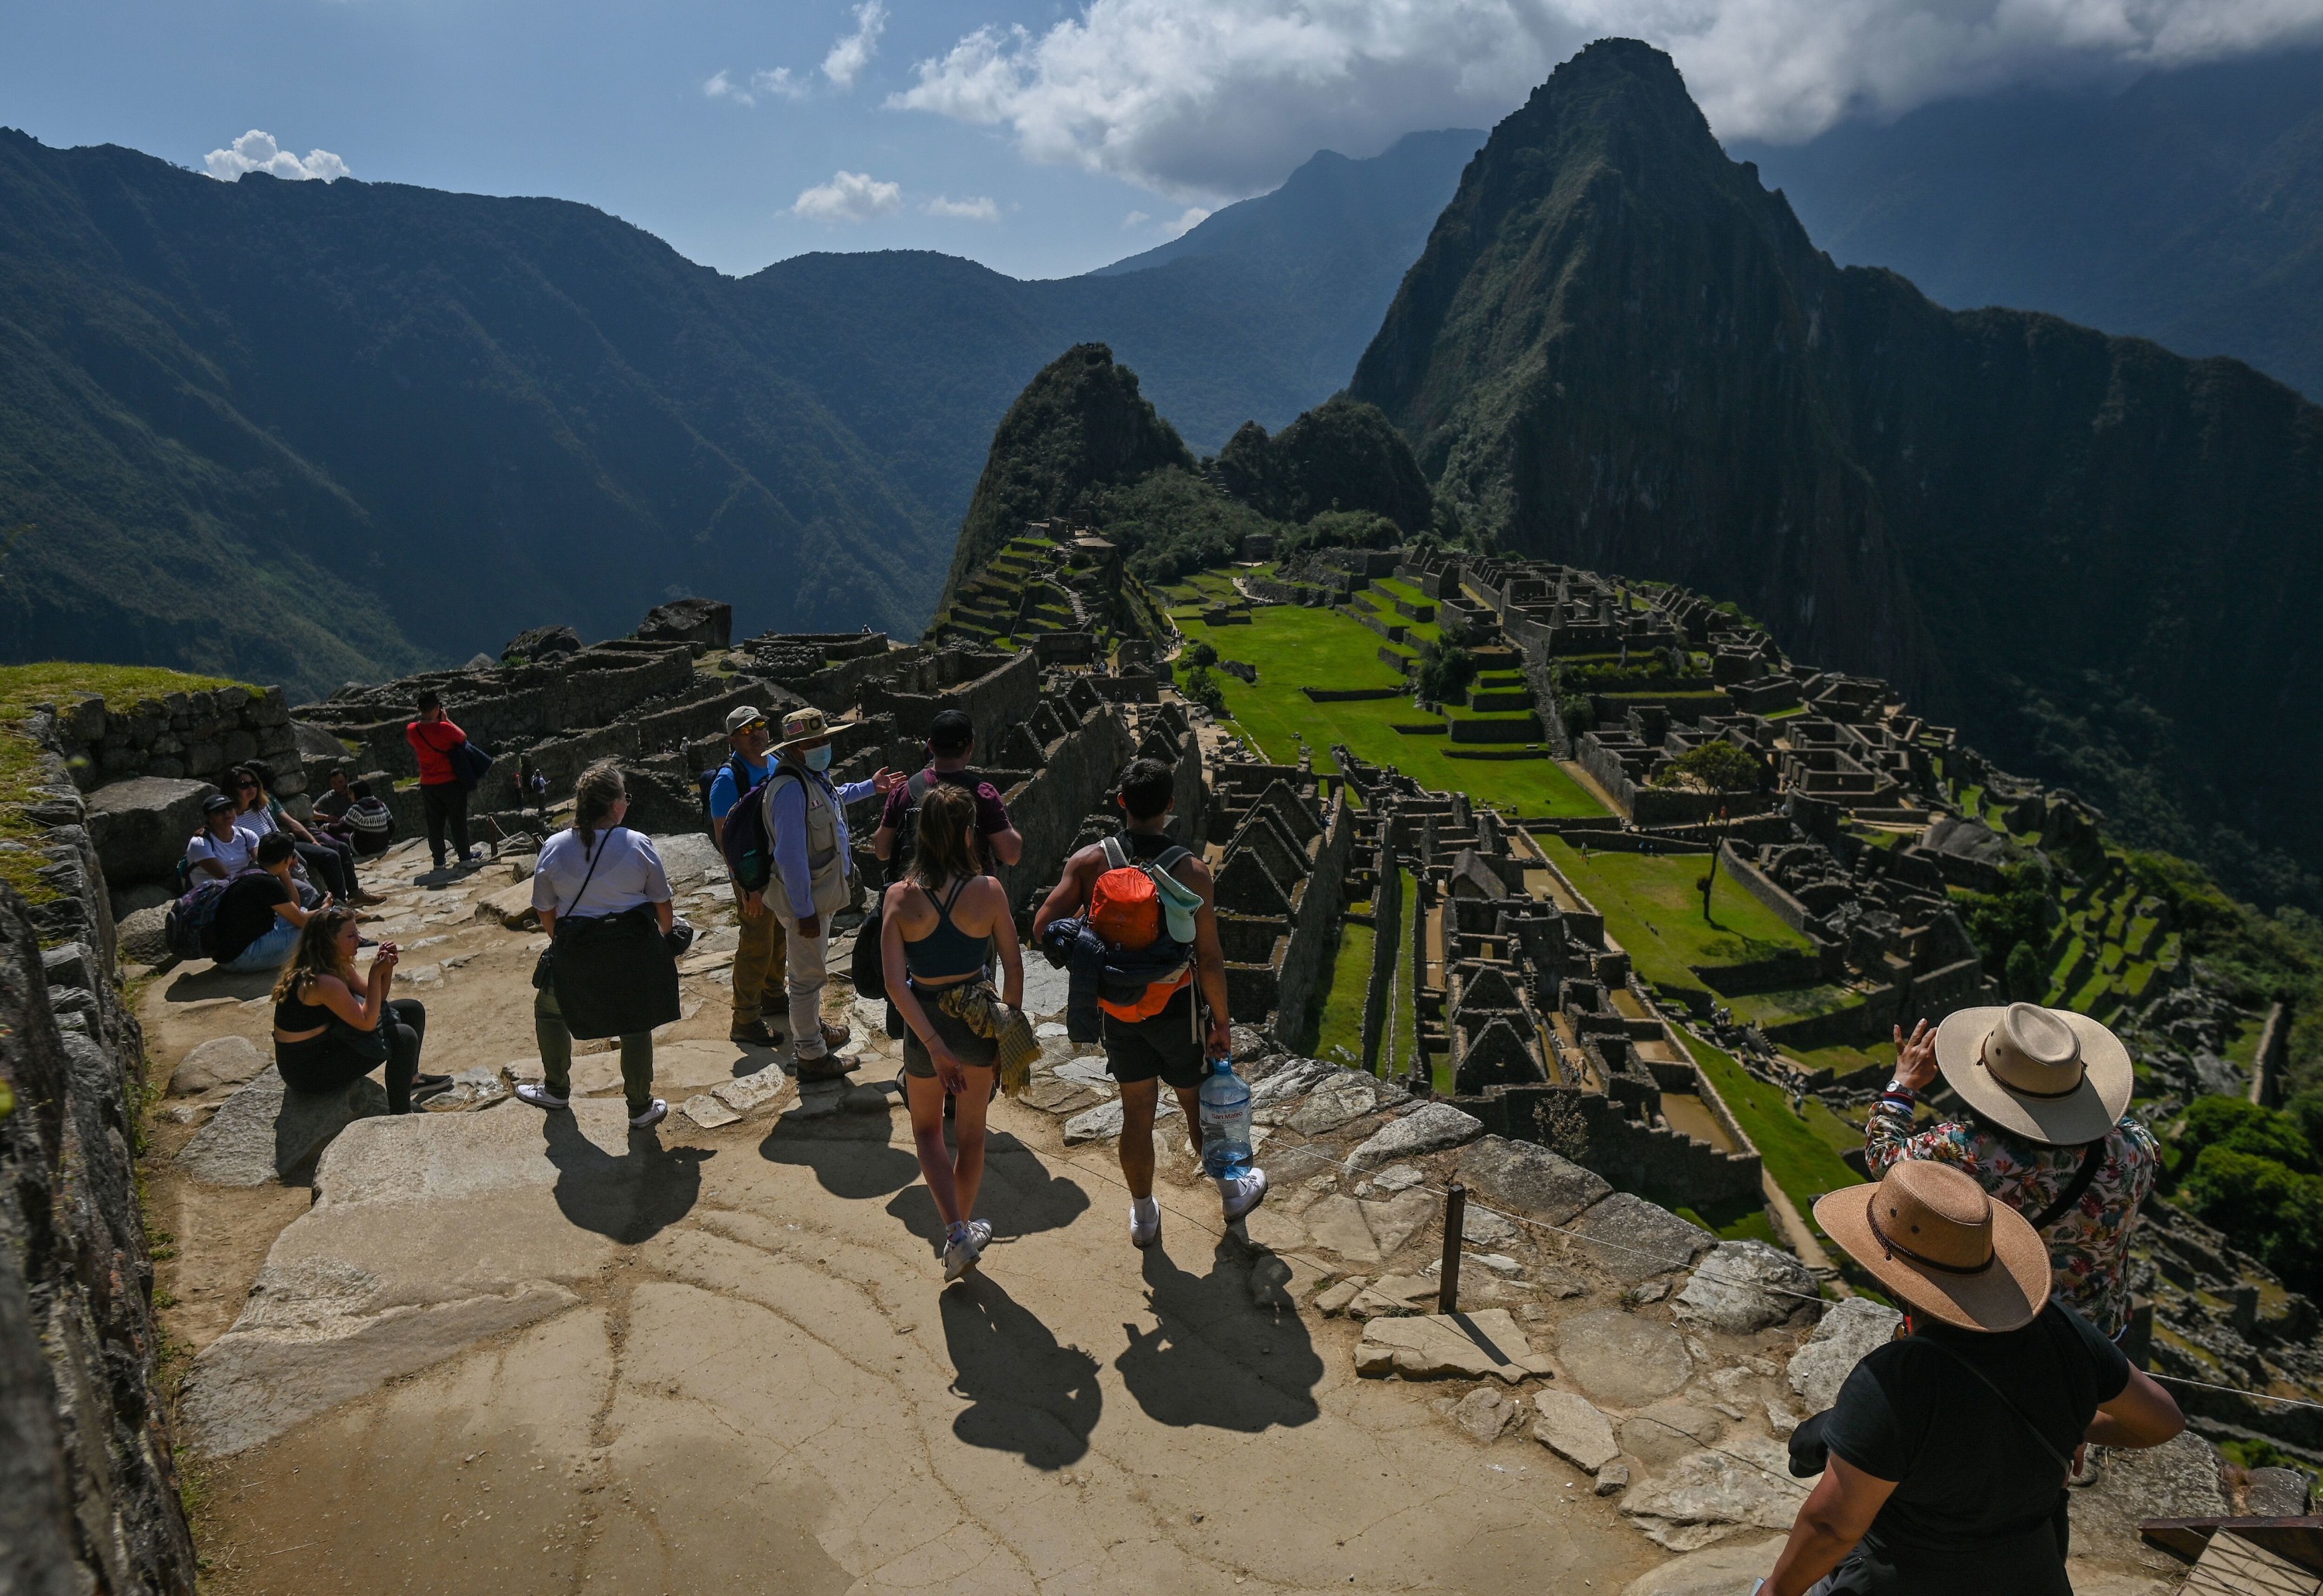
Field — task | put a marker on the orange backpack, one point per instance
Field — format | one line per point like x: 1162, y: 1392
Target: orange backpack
x: 1125, y: 910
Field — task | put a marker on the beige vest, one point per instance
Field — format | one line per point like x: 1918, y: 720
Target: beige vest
x: 827, y: 862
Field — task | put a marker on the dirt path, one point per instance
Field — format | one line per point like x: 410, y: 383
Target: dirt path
x: 519, y: 1352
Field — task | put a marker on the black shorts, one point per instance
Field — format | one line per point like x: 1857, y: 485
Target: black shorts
x: 977, y: 1052
x: 1166, y: 1047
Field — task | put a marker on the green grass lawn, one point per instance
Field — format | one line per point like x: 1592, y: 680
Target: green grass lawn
x: 1295, y: 647
x: 1654, y: 909
x: 1339, y: 1037
x: 1798, y: 1154
x: 1840, y: 1060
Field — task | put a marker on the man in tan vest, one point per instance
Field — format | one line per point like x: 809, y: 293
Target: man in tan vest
x: 813, y: 867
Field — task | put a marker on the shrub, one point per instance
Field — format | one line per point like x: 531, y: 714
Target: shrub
x: 1715, y: 767
x: 1203, y: 689
x: 1199, y: 654
x: 2268, y: 1209
x: 2026, y: 980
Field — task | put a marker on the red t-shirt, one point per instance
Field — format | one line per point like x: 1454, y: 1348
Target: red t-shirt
x: 991, y: 813
x: 433, y: 741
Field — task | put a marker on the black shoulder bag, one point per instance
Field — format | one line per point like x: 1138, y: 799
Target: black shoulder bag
x: 544, y: 973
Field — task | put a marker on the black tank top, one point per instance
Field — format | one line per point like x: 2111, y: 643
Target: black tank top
x: 947, y: 950
x: 294, y: 1013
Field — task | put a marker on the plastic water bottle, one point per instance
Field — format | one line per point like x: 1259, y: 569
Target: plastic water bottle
x: 1226, y: 1122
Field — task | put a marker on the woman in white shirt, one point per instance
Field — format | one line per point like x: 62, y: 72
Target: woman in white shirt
x: 610, y: 966
x: 221, y: 849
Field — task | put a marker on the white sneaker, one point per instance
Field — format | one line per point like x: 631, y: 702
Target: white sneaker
x: 652, y: 1116
x: 1242, y: 1193
x: 963, y: 1247
x: 541, y: 1096
x: 1145, y: 1221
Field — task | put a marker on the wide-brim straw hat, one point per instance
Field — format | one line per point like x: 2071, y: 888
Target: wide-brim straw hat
x: 2049, y: 1075
x: 809, y: 724
x: 1935, y: 1238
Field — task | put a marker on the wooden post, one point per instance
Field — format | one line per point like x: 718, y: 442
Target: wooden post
x: 1455, y: 1220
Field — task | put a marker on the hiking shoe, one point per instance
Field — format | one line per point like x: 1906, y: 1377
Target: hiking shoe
x: 836, y: 1036
x: 824, y: 1066
x: 418, y: 1082
x: 540, y: 1097
x: 1242, y: 1193
x: 651, y: 1117
x: 1144, y: 1223
x: 754, y: 1035
x: 423, y: 1088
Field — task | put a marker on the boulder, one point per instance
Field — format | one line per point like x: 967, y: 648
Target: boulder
x: 1635, y: 1240
x: 535, y: 644
x: 2277, y: 1493
x: 692, y: 861
x: 1727, y: 1569
x: 1102, y: 1122
x: 317, y: 743
x: 1449, y: 1346
x: 1849, y: 1328
x: 1332, y: 1106
x: 1623, y: 1358
x: 1431, y: 1127
x: 264, y: 1133
x: 2179, y: 1479
x: 144, y: 937
x: 223, y: 1061
x: 140, y: 827
x: 1747, y: 1286
x: 511, y: 905
x: 1571, y: 1426
x: 69, y: 964
x: 1706, y: 1496
x: 703, y: 621
x: 1525, y: 1177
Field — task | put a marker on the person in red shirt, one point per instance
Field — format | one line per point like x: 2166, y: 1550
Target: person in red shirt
x: 433, y: 737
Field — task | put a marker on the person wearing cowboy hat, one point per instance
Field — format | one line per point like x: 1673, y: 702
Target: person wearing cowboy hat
x: 1944, y: 1459
x: 760, y: 963
x: 812, y: 865
x: 2042, y: 1128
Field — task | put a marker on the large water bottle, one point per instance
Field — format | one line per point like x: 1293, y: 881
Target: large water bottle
x: 1226, y: 1122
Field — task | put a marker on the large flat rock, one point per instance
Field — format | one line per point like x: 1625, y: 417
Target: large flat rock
x: 430, y: 1233
x: 1431, y: 1127
x: 1571, y: 1426
x: 1526, y: 1178
x: 1707, y: 1496
x: 2177, y: 1480
x: 1635, y: 1240
x: 1623, y: 1358
x: 140, y: 827
x: 1747, y: 1286
x: 1448, y: 1346
x: 266, y: 1133
x: 1732, y: 1568
x: 223, y: 1061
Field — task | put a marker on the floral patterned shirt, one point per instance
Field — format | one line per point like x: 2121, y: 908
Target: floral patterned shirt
x: 2088, y: 1246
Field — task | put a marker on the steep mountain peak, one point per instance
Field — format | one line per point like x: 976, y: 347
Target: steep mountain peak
x: 1080, y: 426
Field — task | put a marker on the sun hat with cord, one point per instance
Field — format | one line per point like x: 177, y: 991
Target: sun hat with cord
x: 1934, y: 1238
x: 2048, y: 1075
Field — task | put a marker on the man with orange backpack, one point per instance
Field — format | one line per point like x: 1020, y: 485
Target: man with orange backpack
x: 1143, y: 896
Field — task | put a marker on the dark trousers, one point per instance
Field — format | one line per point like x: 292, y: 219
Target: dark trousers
x: 447, y: 804
x: 321, y: 1064
x: 331, y: 866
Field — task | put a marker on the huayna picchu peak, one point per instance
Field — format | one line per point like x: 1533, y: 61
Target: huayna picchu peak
x: 1619, y: 350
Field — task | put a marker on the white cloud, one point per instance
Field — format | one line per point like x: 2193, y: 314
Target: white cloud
x: 1210, y: 99
x: 257, y: 151
x: 979, y: 209
x: 848, y: 197
x: 853, y: 51
x: 777, y: 83
x: 1134, y: 219
x: 1191, y: 218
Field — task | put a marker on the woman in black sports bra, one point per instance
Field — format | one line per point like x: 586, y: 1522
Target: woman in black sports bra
x: 326, y: 1036
x: 936, y: 929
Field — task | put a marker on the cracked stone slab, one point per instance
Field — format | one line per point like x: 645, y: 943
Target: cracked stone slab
x: 1848, y: 1329
x: 266, y: 1133
x: 1730, y: 1568
x: 1635, y: 1240
x: 1571, y: 1426
x: 1449, y: 1346
x: 1429, y: 1128
x: 430, y: 1233
x: 1706, y: 1496
x: 1623, y: 1358
x: 1747, y: 1286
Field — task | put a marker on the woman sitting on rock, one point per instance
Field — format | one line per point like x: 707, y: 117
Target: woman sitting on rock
x: 936, y: 929
x: 611, y: 969
x: 331, y: 1029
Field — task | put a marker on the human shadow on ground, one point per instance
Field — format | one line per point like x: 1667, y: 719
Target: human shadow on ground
x: 630, y: 1197
x: 203, y: 982
x: 1020, y: 1197
x: 1216, y: 1358
x: 851, y: 1154
x: 1027, y: 1394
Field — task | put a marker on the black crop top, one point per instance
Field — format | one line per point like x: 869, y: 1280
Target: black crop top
x: 294, y: 1013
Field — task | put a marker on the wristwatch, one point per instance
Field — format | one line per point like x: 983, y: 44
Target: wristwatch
x: 1896, y: 1087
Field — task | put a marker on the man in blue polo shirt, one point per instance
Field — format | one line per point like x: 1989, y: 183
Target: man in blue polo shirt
x: 760, y: 964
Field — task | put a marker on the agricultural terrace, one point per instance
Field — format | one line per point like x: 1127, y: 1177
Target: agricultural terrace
x: 1293, y: 648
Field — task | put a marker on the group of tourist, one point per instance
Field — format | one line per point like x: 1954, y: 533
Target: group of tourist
x: 2003, y: 1231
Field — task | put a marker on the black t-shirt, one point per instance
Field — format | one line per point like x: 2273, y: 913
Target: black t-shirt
x: 1978, y: 1501
x: 245, y: 913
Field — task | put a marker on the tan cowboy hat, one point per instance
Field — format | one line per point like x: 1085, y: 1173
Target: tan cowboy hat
x: 1934, y: 1238
x: 809, y: 724
x: 2047, y: 1074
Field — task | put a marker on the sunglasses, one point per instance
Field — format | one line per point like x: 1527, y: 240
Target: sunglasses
x: 247, y: 786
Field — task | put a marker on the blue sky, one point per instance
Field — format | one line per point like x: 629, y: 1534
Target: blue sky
x: 1039, y: 138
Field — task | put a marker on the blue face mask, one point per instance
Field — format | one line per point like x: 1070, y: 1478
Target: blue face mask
x: 818, y: 759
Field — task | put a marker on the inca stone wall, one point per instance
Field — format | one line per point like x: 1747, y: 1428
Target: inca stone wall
x: 88, y: 1488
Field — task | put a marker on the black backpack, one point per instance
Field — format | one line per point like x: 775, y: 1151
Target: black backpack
x: 907, y: 829
x: 703, y: 780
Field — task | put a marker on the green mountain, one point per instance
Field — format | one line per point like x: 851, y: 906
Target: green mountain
x: 2187, y: 207
x: 1618, y: 349
x: 302, y: 432
x: 1340, y: 455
